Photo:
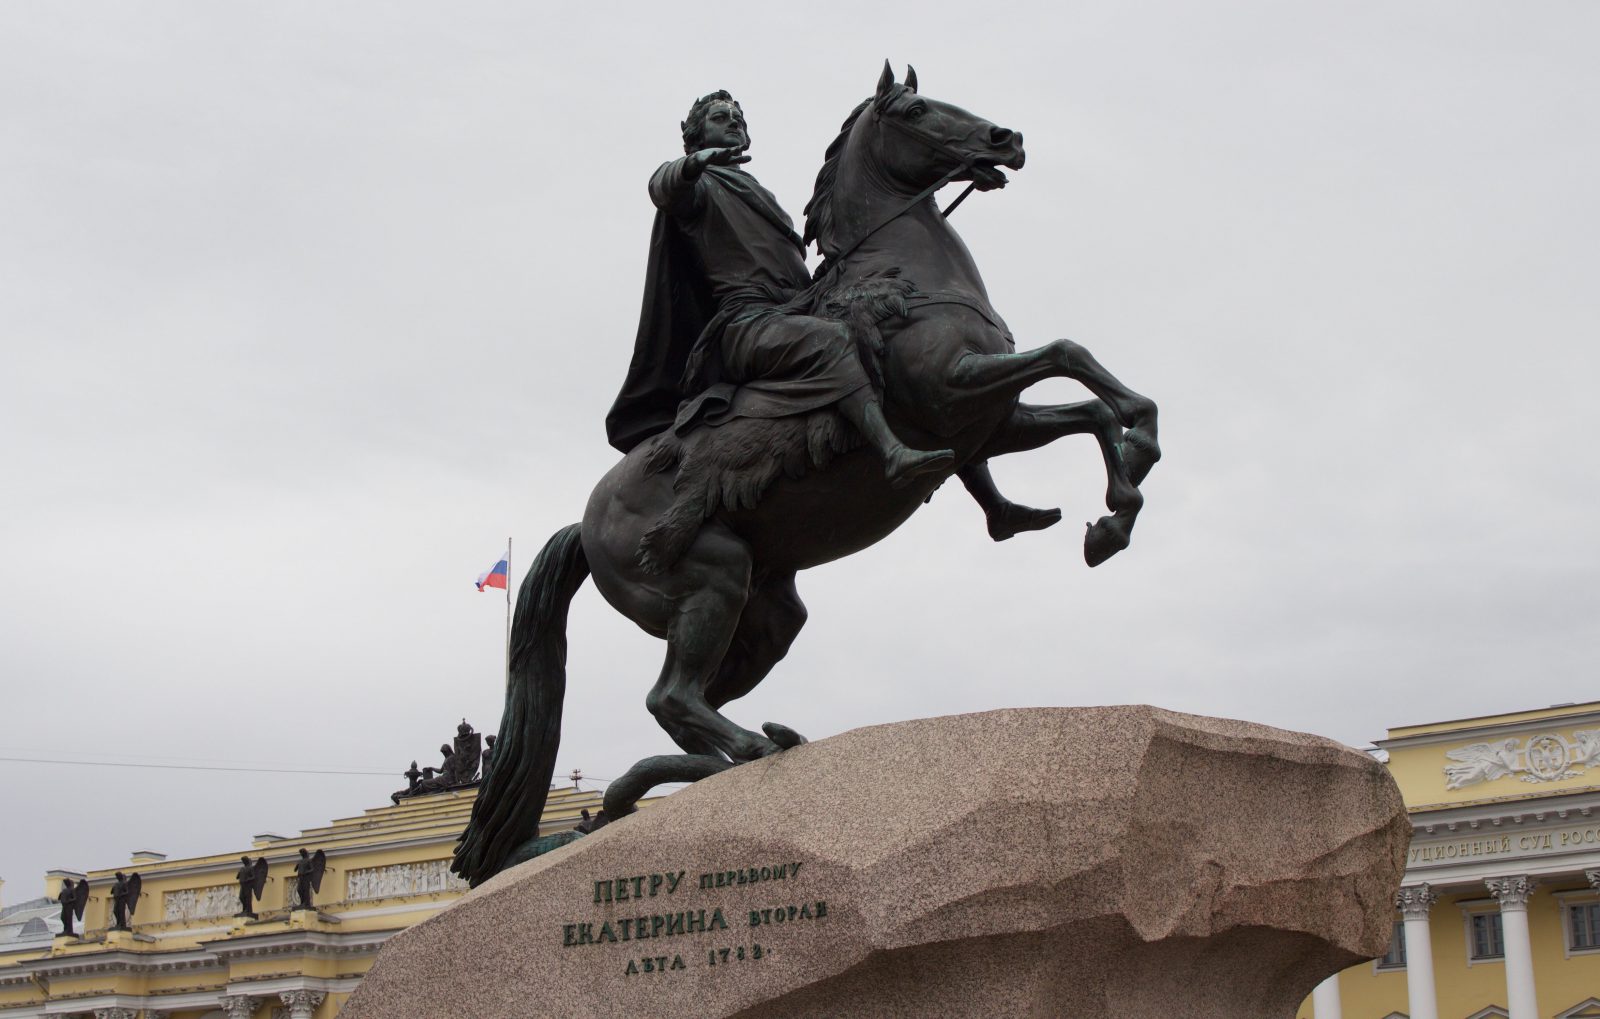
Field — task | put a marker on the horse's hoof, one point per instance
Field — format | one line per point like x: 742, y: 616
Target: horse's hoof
x: 1013, y: 519
x: 782, y: 735
x: 1106, y: 537
x: 752, y: 748
x: 1139, y: 454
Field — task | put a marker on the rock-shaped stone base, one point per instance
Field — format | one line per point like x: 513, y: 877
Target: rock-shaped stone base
x: 1121, y: 862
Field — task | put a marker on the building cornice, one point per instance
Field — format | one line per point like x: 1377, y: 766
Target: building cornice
x: 1553, y: 838
x: 1547, y: 808
x: 319, y: 944
x: 119, y: 960
x: 211, y: 956
x: 1490, y: 729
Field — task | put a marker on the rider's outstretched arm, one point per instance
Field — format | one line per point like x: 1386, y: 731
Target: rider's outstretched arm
x: 676, y: 187
x: 674, y: 190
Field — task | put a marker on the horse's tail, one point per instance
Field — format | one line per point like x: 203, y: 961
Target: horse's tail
x: 512, y: 796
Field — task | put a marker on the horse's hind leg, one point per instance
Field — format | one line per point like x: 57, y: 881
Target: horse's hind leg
x: 772, y: 619
x: 1003, y: 375
x: 1031, y: 426
x: 714, y: 580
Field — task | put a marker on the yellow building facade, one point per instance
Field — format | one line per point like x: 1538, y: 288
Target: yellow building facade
x: 1498, y: 915
x: 188, y: 956
x: 1499, y: 912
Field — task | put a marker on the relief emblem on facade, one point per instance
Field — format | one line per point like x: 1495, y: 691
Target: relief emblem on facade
x: 199, y: 903
x: 1547, y: 757
x: 402, y: 879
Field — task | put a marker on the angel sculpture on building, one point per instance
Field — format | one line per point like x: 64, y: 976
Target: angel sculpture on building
x: 125, y: 891
x: 308, y: 871
x: 252, y: 878
x: 74, y: 896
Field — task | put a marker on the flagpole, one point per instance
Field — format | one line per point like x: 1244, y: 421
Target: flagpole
x: 508, y: 612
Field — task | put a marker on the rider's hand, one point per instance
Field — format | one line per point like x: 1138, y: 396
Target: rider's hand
x: 716, y: 157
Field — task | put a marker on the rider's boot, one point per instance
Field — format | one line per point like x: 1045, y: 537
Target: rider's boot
x: 1006, y: 519
x: 901, y: 463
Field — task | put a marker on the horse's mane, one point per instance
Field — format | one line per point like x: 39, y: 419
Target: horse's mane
x: 819, y: 211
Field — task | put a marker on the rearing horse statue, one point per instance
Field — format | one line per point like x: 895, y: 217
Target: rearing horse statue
x: 705, y: 557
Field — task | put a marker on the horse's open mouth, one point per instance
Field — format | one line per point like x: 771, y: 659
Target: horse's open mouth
x: 988, y: 177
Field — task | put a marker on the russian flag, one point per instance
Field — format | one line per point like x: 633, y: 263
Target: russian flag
x: 495, y: 576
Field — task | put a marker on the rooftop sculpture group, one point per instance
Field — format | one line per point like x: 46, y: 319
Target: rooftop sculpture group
x: 773, y: 421
x: 460, y: 767
x: 308, y: 872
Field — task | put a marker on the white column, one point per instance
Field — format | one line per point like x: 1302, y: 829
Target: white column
x: 1594, y: 877
x: 1325, y: 1000
x: 1414, y: 902
x: 302, y: 1004
x: 1513, y: 892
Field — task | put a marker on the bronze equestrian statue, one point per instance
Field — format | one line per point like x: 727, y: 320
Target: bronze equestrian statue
x: 772, y: 423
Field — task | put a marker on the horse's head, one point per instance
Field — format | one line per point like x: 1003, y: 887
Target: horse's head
x: 920, y: 141
x: 901, y: 142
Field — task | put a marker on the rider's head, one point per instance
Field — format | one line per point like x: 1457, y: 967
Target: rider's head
x: 715, y: 121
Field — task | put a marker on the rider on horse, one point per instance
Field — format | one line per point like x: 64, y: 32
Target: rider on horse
x: 724, y: 332
x: 707, y: 559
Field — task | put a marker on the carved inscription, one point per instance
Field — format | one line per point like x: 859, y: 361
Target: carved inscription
x: 641, y: 928
x: 676, y: 912
x: 1523, y: 844
x: 749, y: 875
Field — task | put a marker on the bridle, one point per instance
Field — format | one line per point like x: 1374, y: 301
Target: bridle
x: 927, y: 140
x: 964, y: 163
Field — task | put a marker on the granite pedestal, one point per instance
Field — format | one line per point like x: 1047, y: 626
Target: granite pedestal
x: 1118, y: 862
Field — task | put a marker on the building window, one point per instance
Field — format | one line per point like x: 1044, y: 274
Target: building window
x: 1487, y: 940
x: 1583, y: 925
x: 1396, y: 956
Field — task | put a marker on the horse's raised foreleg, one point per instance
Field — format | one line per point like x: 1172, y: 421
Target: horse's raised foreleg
x: 714, y: 577
x: 1031, y: 426
x: 999, y: 376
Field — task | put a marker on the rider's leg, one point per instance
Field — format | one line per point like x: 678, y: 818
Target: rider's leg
x: 1005, y: 518
x: 789, y: 361
x: 901, y: 463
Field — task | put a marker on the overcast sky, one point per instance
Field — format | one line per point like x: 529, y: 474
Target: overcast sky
x: 307, y: 306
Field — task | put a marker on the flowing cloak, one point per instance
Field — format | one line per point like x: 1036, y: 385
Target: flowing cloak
x: 679, y: 307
